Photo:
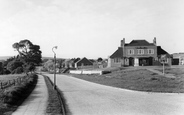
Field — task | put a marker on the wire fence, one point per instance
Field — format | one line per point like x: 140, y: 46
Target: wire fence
x: 13, y: 82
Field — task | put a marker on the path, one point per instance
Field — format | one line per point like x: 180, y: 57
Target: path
x: 36, y: 103
x: 86, y: 98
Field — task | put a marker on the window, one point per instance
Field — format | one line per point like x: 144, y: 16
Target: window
x: 140, y: 51
x: 164, y: 61
x: 117, y: 60
x: 130, y: 51
x: 150, y: 51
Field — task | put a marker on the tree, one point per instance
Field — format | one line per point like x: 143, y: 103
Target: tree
x: 59, y: 63
x: 28, y: 52
x: 22, y: 47
x: 99, y: 59
x: 29, y: 67
x: 49, y: 65
x: 13, y: 65
x: 1, y: 68
x: 29, y: 55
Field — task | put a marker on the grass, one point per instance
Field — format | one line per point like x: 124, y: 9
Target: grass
x: 54, y: 106
x: 175, y: 71
x: 12, y: 97
x: 140, y: 80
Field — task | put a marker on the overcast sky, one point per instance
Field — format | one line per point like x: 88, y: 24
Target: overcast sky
x: 90, y: 28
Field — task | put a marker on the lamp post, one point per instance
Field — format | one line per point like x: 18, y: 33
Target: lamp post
x: 54, y: 87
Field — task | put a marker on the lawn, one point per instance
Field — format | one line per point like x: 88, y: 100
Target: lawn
x: 139, y: 79
x: 178, y: 72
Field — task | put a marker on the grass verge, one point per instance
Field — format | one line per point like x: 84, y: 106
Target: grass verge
x: 12, y: 97
x: 54, y: 103
x: 140, y: 80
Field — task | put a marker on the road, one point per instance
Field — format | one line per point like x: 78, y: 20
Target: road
x: 86, y: 98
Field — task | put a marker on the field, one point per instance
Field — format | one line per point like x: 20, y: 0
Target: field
x: 141, y: 80
x: 10, y: 77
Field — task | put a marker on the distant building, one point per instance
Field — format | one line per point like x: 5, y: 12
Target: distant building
x: 178, y: 59
x: 83, y: 63
x: 138, y: 53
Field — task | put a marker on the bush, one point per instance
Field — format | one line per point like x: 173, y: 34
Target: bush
x: 18, y: 70
x: 13, y: 65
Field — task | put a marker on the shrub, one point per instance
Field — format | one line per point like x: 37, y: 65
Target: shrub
x: 18, y: 70
x: 14, y: 65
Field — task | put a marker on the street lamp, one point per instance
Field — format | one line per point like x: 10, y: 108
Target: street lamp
x: 54, y: 87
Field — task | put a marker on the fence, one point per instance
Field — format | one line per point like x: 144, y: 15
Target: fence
x: 13, y: 82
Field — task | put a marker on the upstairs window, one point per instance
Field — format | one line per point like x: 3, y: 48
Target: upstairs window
x: 150, y: 51
x: 140, y: 51
x: 130, y: 51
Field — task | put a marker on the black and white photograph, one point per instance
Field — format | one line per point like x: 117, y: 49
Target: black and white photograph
x: 91, y: 57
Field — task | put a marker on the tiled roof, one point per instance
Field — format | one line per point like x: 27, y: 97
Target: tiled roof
x: 161, y: 51
x: 84, y: 61
x: 139, y: 43
x: 118, y: 53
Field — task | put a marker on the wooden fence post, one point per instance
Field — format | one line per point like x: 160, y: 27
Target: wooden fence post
x: 9, y: 82
x: 1, y: 85
x: 14, y: 82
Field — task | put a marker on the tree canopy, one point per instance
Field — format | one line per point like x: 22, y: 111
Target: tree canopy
x: 99, y: 59
x: 29, y: 56
x: 28, y: 52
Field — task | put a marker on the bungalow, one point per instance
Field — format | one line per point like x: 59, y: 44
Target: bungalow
x: 83, y: 63
x: 137, y: 53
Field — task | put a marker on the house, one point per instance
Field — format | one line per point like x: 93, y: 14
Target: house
x: 178, y: 59
x: 83, y: 63
x: 70, y: 63
x: 138, y: 53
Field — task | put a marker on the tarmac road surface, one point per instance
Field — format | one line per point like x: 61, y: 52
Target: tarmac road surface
x: 86, y: 98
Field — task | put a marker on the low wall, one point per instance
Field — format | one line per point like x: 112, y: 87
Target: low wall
x: 86, y: 72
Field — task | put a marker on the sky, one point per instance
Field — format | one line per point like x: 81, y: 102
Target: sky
x: 90, y: 28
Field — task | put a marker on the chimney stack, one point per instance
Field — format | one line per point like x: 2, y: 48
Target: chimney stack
x: 154, y: 41
x: 123, y: 43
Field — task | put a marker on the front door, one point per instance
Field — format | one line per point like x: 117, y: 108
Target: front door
x: 150, y: 60
x: 131, y: 61
x: 136, y: 62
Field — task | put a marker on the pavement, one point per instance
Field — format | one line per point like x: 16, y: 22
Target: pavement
x: 36, y: 103
x: 87, y: 98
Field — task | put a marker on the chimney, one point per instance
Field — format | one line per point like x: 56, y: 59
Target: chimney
x: 123, y: 43
x: 154, y: 41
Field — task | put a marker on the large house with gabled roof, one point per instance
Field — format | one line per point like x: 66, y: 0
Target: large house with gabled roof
x: 138, y: 53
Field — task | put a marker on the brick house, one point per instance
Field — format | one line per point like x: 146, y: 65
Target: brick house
x: 137, y: 53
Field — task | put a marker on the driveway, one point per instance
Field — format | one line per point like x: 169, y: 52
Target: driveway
x: 86, y: 98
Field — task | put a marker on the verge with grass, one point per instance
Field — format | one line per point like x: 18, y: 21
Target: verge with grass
x: 12, y: 97
x: 55, y: 104
x: 140, y: 80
